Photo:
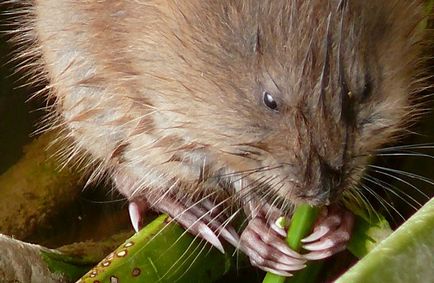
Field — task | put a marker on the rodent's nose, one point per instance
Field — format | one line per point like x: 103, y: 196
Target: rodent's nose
x: 323, y: 183
x: 330, y: 180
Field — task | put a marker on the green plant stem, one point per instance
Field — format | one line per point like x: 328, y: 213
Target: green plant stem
x: 301, y: 224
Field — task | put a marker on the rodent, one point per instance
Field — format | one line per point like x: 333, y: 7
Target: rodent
x: 277, y: 102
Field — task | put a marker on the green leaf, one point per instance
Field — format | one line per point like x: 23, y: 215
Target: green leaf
x: 405, y: 256
x: 161, y: 252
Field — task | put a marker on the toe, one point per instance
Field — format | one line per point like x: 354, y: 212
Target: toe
x: 268, y: 237
x: 330, y: 236
x: 324, y: 244
x: 280, y: 226
x: 328, y: 221
x: 317, y: 234
x: 215, y: 222
x: 318, y: 255
x: 202, y: 219
x: 266, y: 249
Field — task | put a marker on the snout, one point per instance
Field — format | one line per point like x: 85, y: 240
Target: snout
x: 322, y: 186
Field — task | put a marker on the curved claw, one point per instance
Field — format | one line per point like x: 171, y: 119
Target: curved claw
x: 320, y: 245
x: 280, y: 226
x: 318, y: 255
x: 318, y: 233
x: 203, y: 219
x: 267, y: 236
x: 331, y: 234
x: 270, y: 263
x: 207, y: 215
x: 206, y: 233
x: 135, y: 215
x: 136, y: 211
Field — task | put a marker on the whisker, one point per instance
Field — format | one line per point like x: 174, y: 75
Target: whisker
x: 173, y: 219
x: 351, y: 196
x: 259, y: 190
x: 404, y: 173
x: 383, y: 202
x: 166, y: 193
x: 253, y: 210
x: 249, y: 189
x: 254, y: 170
x: 370, y: 208
x: 193, y: 262
x: 203, y: 216
x: 276, y: 198
x: 250, y: 174
x: 379, y: 199
x: 415, y: 154
x: 403, y: 181
x: 119, y: 200
x: 222, y: 226
x: 187, y: 253
x: 383, y: 185
x: 409, y: 146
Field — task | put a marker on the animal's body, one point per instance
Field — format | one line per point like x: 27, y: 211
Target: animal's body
x: 229, y: 105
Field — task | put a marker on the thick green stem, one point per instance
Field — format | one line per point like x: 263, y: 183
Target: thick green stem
x: 301, y: 224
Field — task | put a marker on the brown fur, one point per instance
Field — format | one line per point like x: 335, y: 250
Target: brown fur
x: 168, y: 94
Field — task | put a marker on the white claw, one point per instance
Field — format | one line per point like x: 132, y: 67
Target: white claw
x: 318, y: 255
x: 230, y: 235
x: 279, y: 230
x: 319, y: 233
x: 319, y: 246
x: 211, y: 237
x: 135, y: 215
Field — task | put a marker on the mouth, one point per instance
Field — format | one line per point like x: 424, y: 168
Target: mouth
x: 318, y: 199
x: 290, y: 193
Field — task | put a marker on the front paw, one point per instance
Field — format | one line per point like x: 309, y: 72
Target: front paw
x: 331, y: 233
x: 267, y: 249
x: 265, y: 242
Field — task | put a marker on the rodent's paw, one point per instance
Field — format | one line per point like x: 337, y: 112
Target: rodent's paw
x: 331, y: 233
x: 268, y: 250
x: 203, y: 219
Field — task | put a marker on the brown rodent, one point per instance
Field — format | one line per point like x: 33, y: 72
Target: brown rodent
x: 270, y: 103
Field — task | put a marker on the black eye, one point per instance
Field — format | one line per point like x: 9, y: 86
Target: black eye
x: 269, y: 101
